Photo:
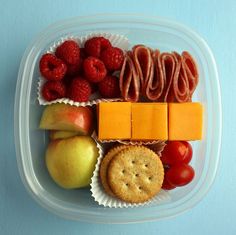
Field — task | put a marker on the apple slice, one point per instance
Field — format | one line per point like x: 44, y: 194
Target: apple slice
x: 71, y: 161
x: 54, y: 135
x: 65, y: 117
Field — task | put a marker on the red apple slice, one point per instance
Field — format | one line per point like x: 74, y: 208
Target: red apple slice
x: 65, y: 117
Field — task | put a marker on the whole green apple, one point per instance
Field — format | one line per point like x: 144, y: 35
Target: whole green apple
x: 71, y: 161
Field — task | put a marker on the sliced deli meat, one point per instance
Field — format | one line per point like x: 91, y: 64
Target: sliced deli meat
x: 159, y: 86
x: 170, y: 68
x: 155, y: 84
x: 142, y: 58
x: 184, y: 84
x: 129, y: 79
x: 180, y: 84
x: 190, y: 66
x: 156, y: 76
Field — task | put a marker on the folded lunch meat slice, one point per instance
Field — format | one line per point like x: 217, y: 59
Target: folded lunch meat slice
x: 129, y: 79
x: 142, y: 58
x: 170, y: 69
x: 156, y: 76
x: 155, y: 84
x: 160, y: 87
x: 180, y: 86
x: 186, y: 80
x: 190, y: 67
x: 175, y: 77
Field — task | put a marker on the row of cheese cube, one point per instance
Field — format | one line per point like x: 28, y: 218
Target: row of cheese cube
x: 150, y: 121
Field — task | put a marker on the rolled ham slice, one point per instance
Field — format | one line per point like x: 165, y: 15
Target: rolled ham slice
x: 129, y: 80
x: 143, y: 61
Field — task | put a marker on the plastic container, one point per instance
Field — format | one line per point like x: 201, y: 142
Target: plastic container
x: 31, y: 142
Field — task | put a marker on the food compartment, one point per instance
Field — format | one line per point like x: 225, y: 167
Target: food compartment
x: 31, y: 142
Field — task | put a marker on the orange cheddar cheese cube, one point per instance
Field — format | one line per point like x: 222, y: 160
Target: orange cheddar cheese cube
x: 149, y: 121
x: 114, y: 120
x: 185, y: 121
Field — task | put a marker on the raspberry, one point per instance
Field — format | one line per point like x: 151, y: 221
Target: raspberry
x: 109, y: 87
x: 53, y: 90
x: 94, y: 69
x: 73, y: 69
x: 94, y: 46
x: 79, y: 90
x: 51, y: 67
x: 113, y: 58
x: 69, y: 52
x: 76, y: 69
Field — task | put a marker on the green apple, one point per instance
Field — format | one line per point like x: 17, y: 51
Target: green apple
x: 65, y: 117
x: 71, y: 161
x: 54, y: 135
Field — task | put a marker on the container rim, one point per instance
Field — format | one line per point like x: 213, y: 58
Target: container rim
x: 22, y: 103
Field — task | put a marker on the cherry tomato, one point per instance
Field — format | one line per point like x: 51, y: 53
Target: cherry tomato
x: 180, y: 174
x: 177, y: 152
x: 166, y: 184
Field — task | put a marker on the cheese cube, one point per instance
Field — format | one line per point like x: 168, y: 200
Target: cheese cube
x: 114, y: 120
x: 149, y: 121
x: 185, y: 121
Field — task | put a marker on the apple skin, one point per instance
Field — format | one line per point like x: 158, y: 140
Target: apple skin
x: 71, y: 161
x: 65, y: 117
x: 54, y: 135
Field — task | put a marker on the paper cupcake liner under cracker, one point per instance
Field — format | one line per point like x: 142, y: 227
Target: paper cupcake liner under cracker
x: 102, y: 198
x: 156, y: 145
x: 115, y: 39
x: 161, y: 144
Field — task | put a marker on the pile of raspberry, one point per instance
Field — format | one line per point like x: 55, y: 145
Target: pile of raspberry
x: 76, y: 73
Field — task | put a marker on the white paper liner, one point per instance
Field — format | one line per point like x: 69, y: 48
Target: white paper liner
x: 102, y: 198
x: 161, y: 143
x: 93, y: 101
x: 158, y: 147
x: 115, y: 39
x: 132, y: 142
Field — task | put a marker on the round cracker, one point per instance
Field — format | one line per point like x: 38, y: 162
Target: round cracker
x: 135, y: 174
x: 104, y: 165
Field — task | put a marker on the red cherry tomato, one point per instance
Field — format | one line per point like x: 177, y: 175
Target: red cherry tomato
x: 166, y: 185
x: 176, y: 152
x: 180, y: 174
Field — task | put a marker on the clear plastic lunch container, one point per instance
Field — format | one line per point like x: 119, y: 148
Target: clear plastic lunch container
x: 31, y: 142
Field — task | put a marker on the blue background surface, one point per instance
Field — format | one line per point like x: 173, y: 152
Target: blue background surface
x: 20, y: 21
